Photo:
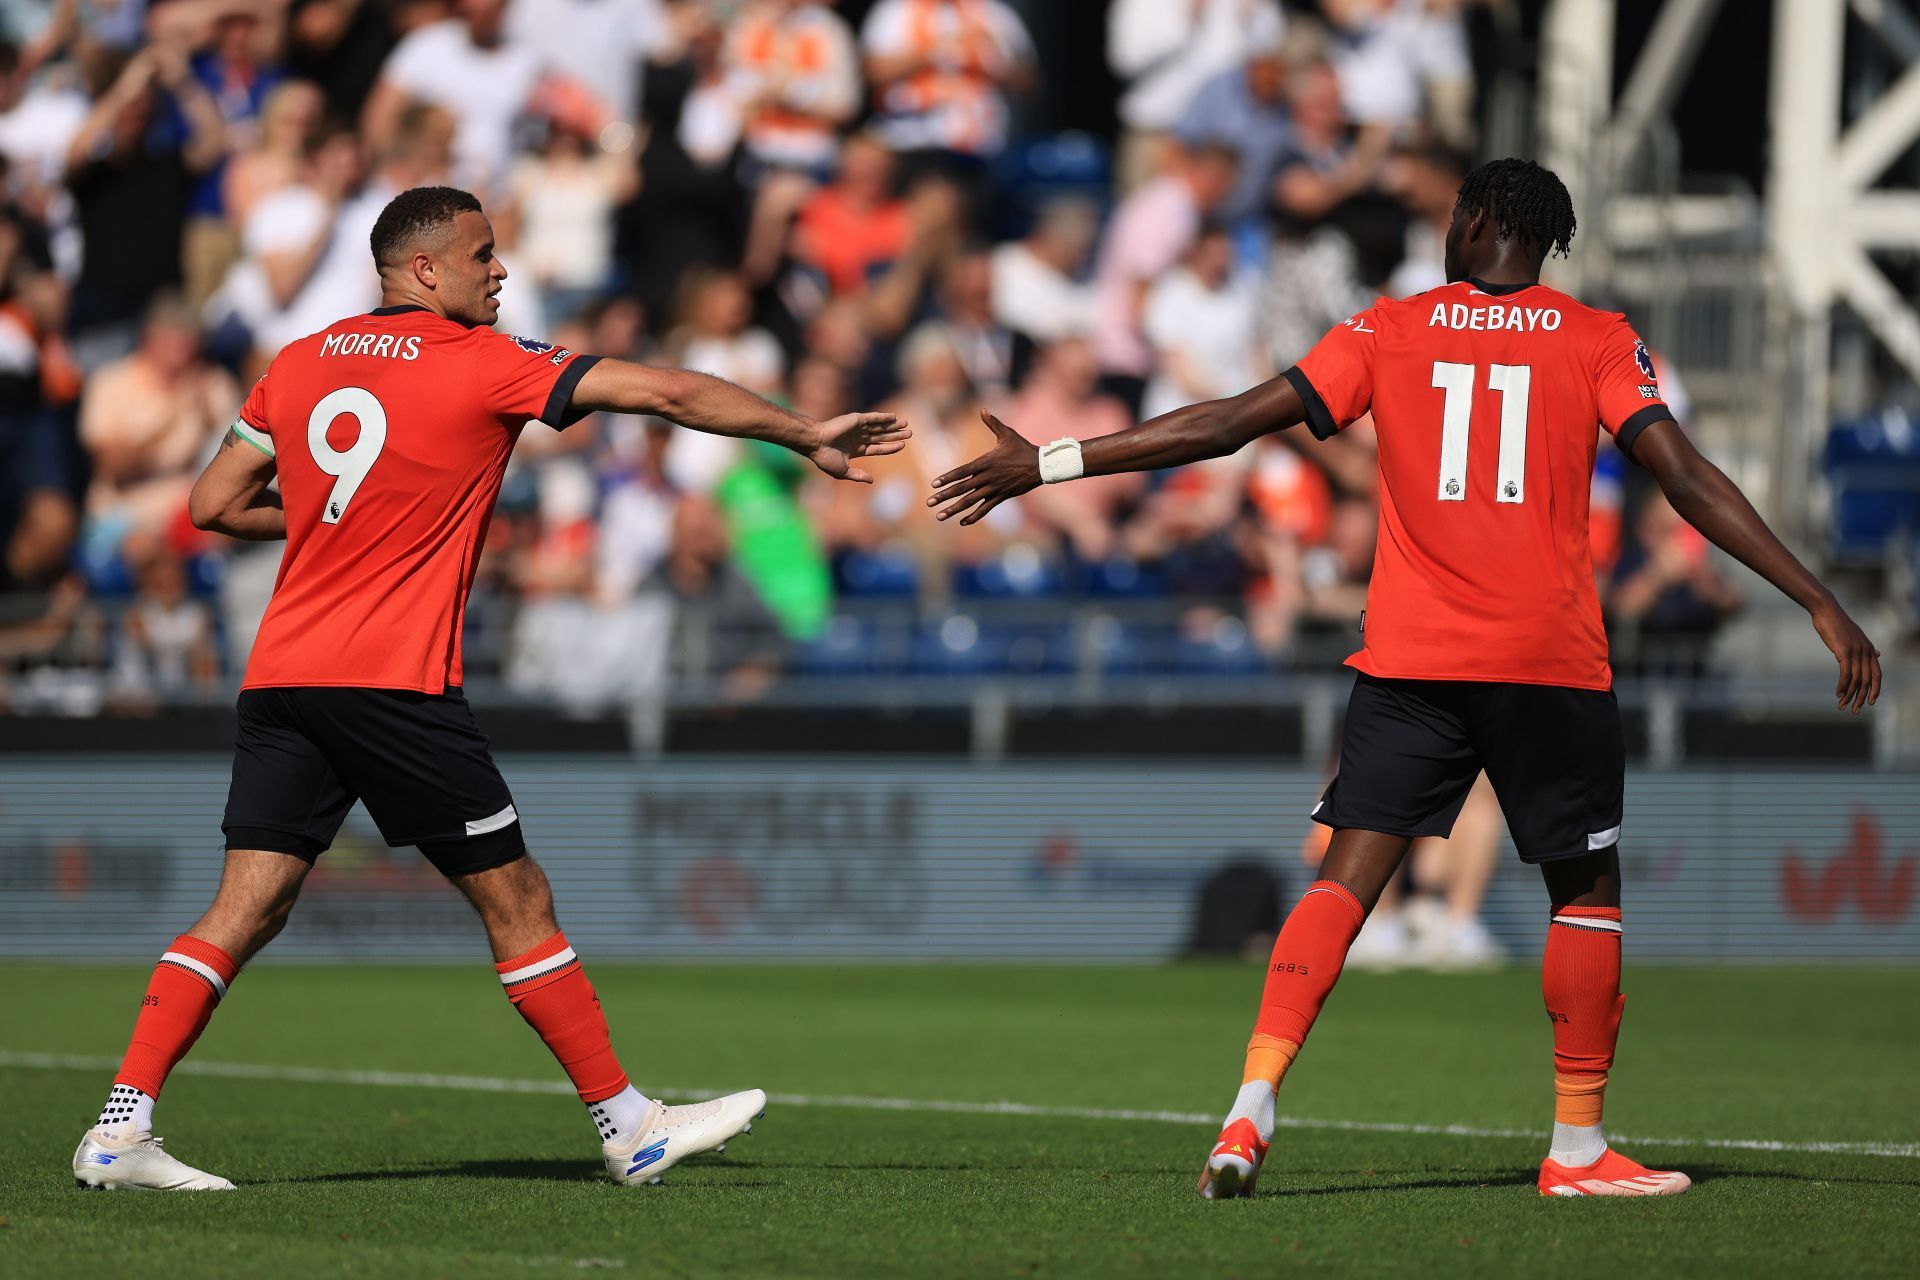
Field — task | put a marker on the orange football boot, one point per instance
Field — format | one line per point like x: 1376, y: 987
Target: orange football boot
x: 1611, y: 1175
x: 1235, y: 1163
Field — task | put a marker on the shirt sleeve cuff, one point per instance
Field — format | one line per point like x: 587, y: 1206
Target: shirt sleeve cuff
x: 253, y: 436
x: 1630, y: 429
x: 1319, y: 420
x: 560, y: 413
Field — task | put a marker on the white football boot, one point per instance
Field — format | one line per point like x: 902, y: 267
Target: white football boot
x: 135, y: 1161
x: 674, y: 1133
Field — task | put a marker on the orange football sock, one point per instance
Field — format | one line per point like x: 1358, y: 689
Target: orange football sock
x: 1306, y: 963
x: 552, y: 993
x: 1580, y: 977
x: 1268, y: 1058
x: 1577, y: 1099
x: 186, y: 985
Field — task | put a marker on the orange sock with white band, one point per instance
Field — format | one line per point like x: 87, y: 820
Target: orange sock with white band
x: 552, y: 993
x: 1580, y: 977
x: 1306, y: 962
x: 186, y: 986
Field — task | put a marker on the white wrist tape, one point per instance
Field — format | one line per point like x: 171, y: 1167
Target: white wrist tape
x: 1060, y: 460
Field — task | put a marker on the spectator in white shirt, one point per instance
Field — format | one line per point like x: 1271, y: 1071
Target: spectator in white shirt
x: 467, y: 66
x: 566, y: 198
x: 1037, y: 289
x: 1200, y: 319
x: 1165, y: 50
x: 716, y: 335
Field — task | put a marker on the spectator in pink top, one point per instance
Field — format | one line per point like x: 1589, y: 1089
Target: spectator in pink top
x: 1061, y: 398
x: 1151, y: 230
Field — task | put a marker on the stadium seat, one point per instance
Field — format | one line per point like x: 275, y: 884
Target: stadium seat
x: 205, y: 573
x: 1033, y: 170
x: 1121, y: 579
x: 847, y: 647
x: 1872, y: 468
x: 1030, y: 649
x: 877, y: 575
x: 1018, y: 573
x: 955, y: 645
x: 107, y: 573
x: 1117, y: 648
x: 1225, y: 650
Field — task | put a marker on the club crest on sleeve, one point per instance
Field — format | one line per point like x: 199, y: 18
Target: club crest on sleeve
x: 1644, y: 358
x: 532, y: 346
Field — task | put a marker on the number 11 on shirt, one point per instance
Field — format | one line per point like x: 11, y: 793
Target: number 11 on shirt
x: 1515, y: 384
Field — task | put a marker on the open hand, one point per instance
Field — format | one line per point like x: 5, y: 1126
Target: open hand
x: 838, y: 441
x: 1859, y: 661
x: 1009, y: 469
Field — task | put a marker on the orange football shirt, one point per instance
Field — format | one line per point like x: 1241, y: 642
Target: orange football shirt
x: 391, y: 432
x: 1485, y: 400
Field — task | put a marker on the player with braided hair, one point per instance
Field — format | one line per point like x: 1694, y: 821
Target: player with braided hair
x: 1527, y: 205
x: 1482, y: 645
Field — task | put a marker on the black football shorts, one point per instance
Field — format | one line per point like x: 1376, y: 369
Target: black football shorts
x: 1412, y: 749
x: 302, y: 757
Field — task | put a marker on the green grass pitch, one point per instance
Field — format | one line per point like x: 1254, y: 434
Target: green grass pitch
x: 359, y: 1179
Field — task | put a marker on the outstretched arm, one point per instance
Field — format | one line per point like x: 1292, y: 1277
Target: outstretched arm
x: 231, y: 496
x: 1710, y: 502
x: 1211, y: 429
x: 720, y: 408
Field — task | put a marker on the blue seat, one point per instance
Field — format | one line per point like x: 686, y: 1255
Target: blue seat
x: 1119, y: 649
x: 1030, y: 649
x: 847, y: 647
x: 1033, y: 170
x: 1019, y: 573
x: 1121, y: 579
x: 205, y: 573
x: 1227, y: 650
x: 107, y: 572
x: 956, y: 645
x: 1872, y: 468
x: 877, y: 575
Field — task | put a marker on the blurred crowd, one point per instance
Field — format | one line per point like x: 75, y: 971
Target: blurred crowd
x: 836, y: 205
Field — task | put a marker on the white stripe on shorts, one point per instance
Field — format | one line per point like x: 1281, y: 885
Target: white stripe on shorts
x: 200, y: 967
x: 1601, y: 839
x: 505, y: 818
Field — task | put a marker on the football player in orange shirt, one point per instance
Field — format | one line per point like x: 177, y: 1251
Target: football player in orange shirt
x: 1482, y: 647
x: 389, y: 434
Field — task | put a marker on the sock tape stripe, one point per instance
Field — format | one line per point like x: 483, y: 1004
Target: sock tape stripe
x: 539, y: 968
x: 1595, y: 924
x: 199, y: 968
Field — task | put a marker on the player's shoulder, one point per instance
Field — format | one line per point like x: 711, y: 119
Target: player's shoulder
x: 1579, y: 315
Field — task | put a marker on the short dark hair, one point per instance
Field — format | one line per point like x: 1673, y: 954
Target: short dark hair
x: 412, y: 214
x: 1526, y: 203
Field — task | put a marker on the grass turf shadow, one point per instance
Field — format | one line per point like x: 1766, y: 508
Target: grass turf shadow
x: 528, y: 1170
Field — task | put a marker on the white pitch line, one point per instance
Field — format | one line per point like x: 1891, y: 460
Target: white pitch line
x: 498, y: 1084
